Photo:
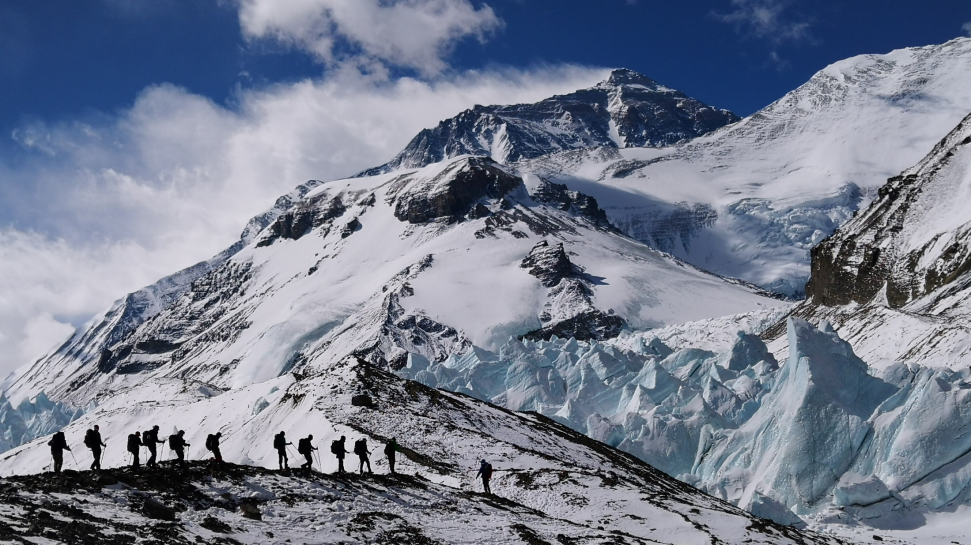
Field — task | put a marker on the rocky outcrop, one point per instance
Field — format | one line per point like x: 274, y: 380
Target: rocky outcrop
x: 576, y: 203
x: 569, y: 310
x: 906, y: 244
x: 307, y: 215
x: 453, y: 193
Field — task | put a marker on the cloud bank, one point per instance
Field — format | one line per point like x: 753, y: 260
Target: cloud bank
x: 415, y: 34
x: 91, y: 209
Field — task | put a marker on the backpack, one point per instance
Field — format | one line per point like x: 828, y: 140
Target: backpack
x: 359, y: 447
x: 487, y: 471
x: 336, y: 447
x: 303, y: 446
x: 148, y: 437
x: 58, y: 441
x: 89, y: 440
x: 211, y: 442
x: 174, y: 442
x: 133, y: 443
x: 278, y: 442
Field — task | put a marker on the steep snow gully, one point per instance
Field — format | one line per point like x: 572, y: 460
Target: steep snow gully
x: 573, y: 290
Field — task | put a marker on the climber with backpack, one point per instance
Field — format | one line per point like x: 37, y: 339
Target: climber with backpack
x: 134, y: 442
x: 486, y: 471
x: 177, y: 443
x: 92, y: 440
x: 58, y: 445
x: 337, y: 448
x: 280, y: 443
x: 361, y: 450
x: 305, y: 448
x: 150, y: 439
x: 390, y: 449
x: 212, y: 444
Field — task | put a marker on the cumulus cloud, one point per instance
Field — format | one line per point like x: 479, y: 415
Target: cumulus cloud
x: 768, y: 19
x: 92, y: 209
x: 414, y: 34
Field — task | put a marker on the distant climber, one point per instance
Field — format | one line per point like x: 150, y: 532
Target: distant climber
x: 361, y: 450
x: 150, y: 439
x: 390, y: 449
x: 178, y: 444
x: 212, y: 444
x: 280, y: 443
x: 58, y: 445
x: 337, y: 448
x: 134, y: 442
x: 486, y: 471
x: 305, y: 448
x: 92, y: 439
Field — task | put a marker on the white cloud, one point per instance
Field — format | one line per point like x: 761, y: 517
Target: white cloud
x: 104, y: 206
x: 767, y: 19
x: 966, y: 28
x: 415, y: 34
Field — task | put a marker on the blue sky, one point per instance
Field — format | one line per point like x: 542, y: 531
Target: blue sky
x: 63, y: 58
x: 138, y: 136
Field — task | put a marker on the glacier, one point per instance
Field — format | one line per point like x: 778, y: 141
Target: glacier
x: 819, y: 432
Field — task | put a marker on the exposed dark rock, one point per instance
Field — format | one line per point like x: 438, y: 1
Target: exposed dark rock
x: 362, y: 400
x: 305, y: 216
x: 591, y: 324
x: 454, y: 192
x: 250, y: 510
x: 548, y: 263
x: 576, y: 203
x: 867, y: 254
x: 350, y: 227
x: 156, y: 510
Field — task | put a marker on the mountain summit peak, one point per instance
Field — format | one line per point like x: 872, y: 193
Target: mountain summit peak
x: 625, y: 76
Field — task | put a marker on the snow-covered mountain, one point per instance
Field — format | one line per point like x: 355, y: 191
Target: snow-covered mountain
x: 895, y: 280
x: 550, y: 483
x: 424, y: 261
x: 626, y: 110
x: 532, y: 279
x: 751, y: 199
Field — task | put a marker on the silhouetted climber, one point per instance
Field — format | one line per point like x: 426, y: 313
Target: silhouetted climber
x: 150, y: 439
x: 134, y: 442
x: 178, y: 444
x: 92, y: 439
x: 305, y: 448
x: 280, y: 443
x: 337, y: 448
x: 361, y: 450
x: 486, y: 471
x: 58, y: 445
x: 390, y: 449
x: 212, y: 444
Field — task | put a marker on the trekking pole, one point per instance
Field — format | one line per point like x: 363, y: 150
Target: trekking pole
x: 319, y: 465
x: 78, y: 468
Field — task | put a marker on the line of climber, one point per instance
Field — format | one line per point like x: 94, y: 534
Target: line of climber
x: 177, y: 444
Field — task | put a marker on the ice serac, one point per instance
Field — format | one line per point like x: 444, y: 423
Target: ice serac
x: 751, y: 199
x: 626, y: 110
x: 895, y: 279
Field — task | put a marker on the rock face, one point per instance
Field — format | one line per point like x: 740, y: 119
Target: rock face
x: 910, y: 242
x: 452, y: 193
x: 569, y: 311
x: 626, y: 110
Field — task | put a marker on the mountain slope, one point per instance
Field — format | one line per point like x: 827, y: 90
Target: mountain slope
x: 751, y: 199
x: 549, y: 480
x: 424, y: 262
x: 626, y: 110
x: 895, y: 280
